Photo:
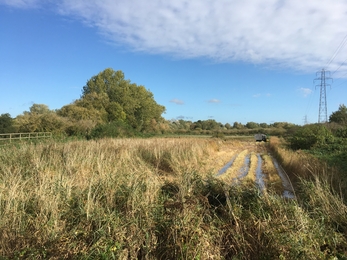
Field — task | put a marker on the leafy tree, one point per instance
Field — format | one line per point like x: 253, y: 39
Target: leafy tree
x: 40, y: 118
x: 284, y: 125
x: 196, y: 125
x: 77, y: 112
x: 227, y: 126
x: 6, y: 123
x: 119, y: 99
x: 39, y: 109
x: 263, y: 125
x: 309, y: 136
x: 210, y: 124
x: 252, y: 125
x: 237, y: 125
x: 339, y: 116
x: 184, y: 124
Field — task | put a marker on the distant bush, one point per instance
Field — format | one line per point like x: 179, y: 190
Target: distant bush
x: 113, y: 129
x: 309, y: 136
x: 218, y: 134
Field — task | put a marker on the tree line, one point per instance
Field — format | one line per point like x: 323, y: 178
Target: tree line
x: 111, y: 105
x: 107, y: 100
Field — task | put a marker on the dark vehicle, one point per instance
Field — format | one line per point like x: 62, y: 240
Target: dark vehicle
x: 260, y: 138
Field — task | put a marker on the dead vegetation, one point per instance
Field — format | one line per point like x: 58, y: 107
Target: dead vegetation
x: 154, y: 199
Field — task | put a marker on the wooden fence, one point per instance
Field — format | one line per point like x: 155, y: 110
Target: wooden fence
x: 24, y: 136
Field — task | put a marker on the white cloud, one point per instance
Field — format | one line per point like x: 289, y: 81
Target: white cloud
x: 259, y: 95
x: 305, y: 91
x: 302, y: 35
x: 177, y: 101
x: 214, y: 100
x: 21, y: 3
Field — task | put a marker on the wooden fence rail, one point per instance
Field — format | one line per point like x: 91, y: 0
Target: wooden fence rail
x: 24, y: 136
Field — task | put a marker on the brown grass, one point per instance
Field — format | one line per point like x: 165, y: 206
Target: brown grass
x: 273, y: 180
x: 150, y: 199
x: 252, y: 168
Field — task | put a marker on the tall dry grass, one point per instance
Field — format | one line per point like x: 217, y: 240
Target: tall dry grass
x: 273, y: 180
x: 319, y: 188
x: 144, y: 199
x: 65, y: 196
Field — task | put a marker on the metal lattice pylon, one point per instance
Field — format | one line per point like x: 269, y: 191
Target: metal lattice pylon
x: 323, y: 114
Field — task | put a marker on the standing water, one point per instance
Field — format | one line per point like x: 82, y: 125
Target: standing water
x: 259, y: 174
x: 288, y: 189
x: 226, y: 167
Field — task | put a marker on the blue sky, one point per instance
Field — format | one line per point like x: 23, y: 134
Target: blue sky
x: 228, y: 60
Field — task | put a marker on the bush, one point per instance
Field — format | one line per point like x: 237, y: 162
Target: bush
x: 309, y: 136
x: 113, y: 129
x: 218, y: 134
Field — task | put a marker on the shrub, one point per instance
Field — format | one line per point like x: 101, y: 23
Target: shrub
x: 309, y: 136
x: 113, y: 129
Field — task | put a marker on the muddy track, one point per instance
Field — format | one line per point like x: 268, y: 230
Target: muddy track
x: 255, y: 163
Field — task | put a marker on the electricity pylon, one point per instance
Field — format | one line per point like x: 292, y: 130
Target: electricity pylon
x: 323, y: 114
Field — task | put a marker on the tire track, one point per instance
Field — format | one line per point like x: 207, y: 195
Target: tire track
x: 242, y: 166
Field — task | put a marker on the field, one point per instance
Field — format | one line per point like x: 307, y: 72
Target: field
x: 165, y: 198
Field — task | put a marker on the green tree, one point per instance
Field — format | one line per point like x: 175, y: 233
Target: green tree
x: 237, y: 125
x: 40, y: 118
x: 6, y: 123
x: 39, y: 109
x: 227, y: 126
x: 120, y: 100
x: 252, y: 125
x: 339, y: 116
x: 309, y: 136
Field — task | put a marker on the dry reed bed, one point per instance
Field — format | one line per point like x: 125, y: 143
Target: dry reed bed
x: 67, y: 192
x: 145, y: 199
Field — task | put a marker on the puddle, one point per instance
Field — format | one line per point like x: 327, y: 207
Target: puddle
x: 244, y: 169
x: 259, y: 176
x: 226, y: 167
x: 288, y: 189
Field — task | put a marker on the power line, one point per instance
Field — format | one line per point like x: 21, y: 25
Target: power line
x: 340, y: 78
x: 339, y: 66
x: 342, y: 44
x: 341, y: 82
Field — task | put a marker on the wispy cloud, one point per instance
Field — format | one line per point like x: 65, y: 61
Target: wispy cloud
x: 259, y: 95
x: 184, y: 117
x: 214, y: 100
x: 301, y: 35
x: 305, y: 91
x: 177, y: 101
x: 21, y: 3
